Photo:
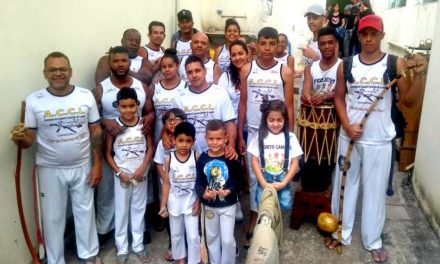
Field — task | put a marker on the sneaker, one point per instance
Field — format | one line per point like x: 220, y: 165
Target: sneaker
x: 238, y: 213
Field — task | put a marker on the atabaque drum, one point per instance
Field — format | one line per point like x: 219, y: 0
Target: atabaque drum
x: 317, y: 134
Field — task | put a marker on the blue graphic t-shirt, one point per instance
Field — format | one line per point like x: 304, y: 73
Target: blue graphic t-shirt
x: 217, y: 173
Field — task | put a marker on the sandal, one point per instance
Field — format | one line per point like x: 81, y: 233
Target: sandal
x: 121, y: 259
x: 379, y: 255
x: 168, y: 256
x: 330, y: 243
x: 248, y: 240
x: 91, y: 260
x: 143, y: 257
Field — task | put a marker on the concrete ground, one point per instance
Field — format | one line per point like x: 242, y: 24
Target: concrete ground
x: 407, y: 236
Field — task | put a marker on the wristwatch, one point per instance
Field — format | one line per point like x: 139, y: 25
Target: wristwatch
x: 118, y: 173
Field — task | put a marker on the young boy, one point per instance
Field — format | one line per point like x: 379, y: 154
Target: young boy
x: 170, y: 120
x: 262, y: 77
x: 315, y: 21
x: 179, y: 200
x: 216, y: 186
x: 132, y: 154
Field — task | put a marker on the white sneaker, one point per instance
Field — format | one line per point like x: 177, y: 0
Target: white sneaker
x: 238, y: 213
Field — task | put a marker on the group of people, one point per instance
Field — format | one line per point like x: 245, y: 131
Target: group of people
x: 188, y: 122
x: 346, y: 22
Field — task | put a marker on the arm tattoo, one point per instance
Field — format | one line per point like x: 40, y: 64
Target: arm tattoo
x: 96, y: 140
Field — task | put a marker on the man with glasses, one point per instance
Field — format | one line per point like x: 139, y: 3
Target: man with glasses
x: 64, y: 121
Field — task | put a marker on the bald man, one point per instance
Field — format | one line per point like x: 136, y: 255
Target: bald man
x: 140, y: 68
x: 200, y: 49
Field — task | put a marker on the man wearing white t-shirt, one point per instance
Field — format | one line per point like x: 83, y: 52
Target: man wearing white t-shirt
x: 369, y: 165
x: 202, y: 102
x: 153, y: 51
x: 64, y: 121
x: 140, y: 68
x: 105, y: 94
x: 200, y: 48
x: 318, y: 91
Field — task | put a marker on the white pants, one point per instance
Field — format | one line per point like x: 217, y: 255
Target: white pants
x: 55, y: 186
x: 219, y: 226
x: 252, y: 178
x: 105, y: 204
x: 371, y: 163
x: 181, y: 225
x: 130, y: 206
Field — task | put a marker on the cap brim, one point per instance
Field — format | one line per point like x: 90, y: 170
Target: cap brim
x: 311, y: 13
x: 369, y: 26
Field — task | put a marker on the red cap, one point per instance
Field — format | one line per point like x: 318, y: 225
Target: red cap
x: 371, y: 21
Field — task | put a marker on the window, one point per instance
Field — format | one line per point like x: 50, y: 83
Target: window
x: 425, y: 1
x: 397, y: 3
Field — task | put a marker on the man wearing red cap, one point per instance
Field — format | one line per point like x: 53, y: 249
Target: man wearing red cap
x: 369, y: 162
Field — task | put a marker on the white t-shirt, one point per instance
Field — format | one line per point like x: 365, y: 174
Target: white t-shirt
x: 283, y: 59
x: 234, y: 94
x: 260, y: 82
x: 213, y: 103
x: 324, y: 81
x: 209, y: 66
x: 163, y: 100
x: 61, y: 123
x: 224, y: 58
x: 183, y: 48
x: 130, y: 147
x: 274, y: 151
x: 182, y: 176
x: 161, y: 152
x: 314, y: 45
x: 379, y: 127
x: 153, y: 55
x: 136, y: 64
x: 108, y: 100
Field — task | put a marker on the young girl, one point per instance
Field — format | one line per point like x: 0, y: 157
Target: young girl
x: 167, y: 89
x: 132, y: 154
x: 222, y: 53
x: 275, y: 152
x: 179, y: 199
x: 281, y: 55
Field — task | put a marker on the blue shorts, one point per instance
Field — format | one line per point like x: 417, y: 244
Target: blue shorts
x: 284, y: 195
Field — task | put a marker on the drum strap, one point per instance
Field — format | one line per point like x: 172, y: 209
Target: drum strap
x: 286, y: 153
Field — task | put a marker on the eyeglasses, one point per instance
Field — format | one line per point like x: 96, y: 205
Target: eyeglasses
x: 62, y: 70
x: 174, y: 120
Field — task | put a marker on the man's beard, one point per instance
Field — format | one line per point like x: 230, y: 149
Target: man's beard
x: 118, y: 75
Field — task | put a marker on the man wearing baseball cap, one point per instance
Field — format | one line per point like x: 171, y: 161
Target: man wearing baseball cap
x: 315, y: 21
x: 181, y: 40
x: 369, y: 162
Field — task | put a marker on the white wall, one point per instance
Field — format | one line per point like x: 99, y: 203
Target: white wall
x: 426, y: 178
x: 83, y: 30
x: 408, y: 25
x: 287, y: 17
